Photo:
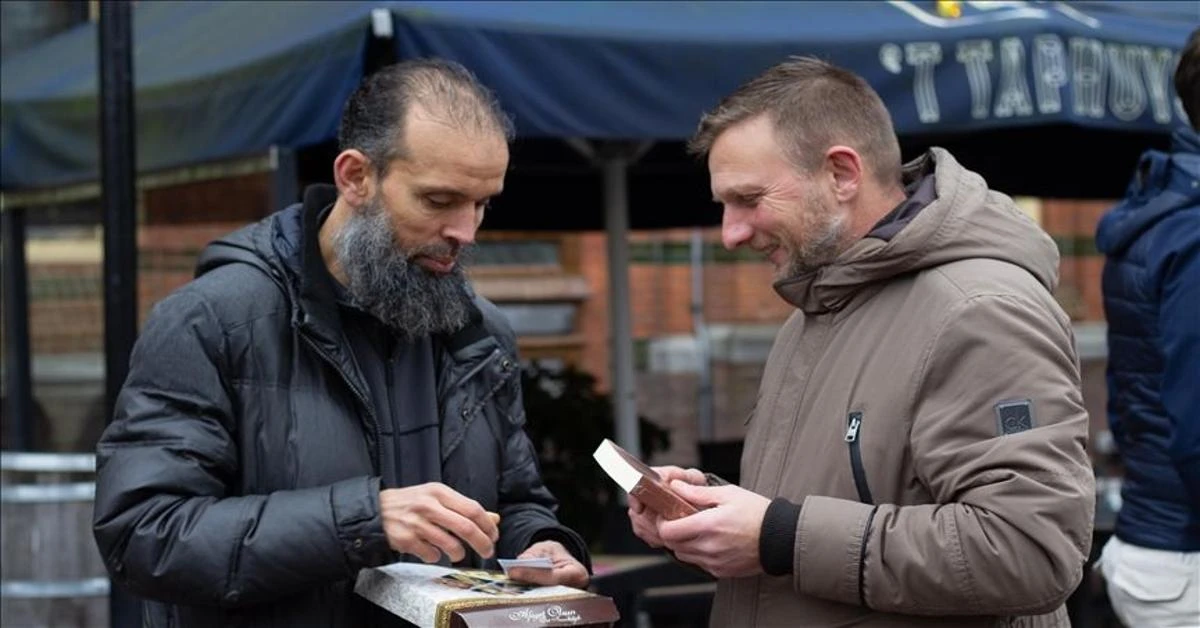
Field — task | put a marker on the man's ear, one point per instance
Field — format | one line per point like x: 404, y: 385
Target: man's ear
x: 354, y: 177
x: 846, y: 167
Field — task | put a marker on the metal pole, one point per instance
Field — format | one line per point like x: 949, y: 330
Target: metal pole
x: 284, y: 178
x: 18, y: 406
x: 119, y: 202
x: 704, y: 386
x: 616, y: 223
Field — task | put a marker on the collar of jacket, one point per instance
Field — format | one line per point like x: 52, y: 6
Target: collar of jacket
x: 317, y: 308
x: 965, y: 220
x: 814, y: 292
x: 1185, y: 140
x: 1162, y: 184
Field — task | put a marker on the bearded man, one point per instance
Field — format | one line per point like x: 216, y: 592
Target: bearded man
x: 328, y: 394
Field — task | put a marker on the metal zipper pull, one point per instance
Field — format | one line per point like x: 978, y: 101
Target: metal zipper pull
x: 852, y: 430
x: 854, y: 422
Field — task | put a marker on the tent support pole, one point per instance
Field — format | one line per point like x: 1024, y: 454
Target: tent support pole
x: 616, y: 224
x: 285, y: 186
x: 18, y: 401
x: 614, y: 158
x: 119, y: 203
x: 704, y: 393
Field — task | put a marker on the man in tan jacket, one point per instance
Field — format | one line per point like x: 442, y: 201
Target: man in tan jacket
x: 916, y: 456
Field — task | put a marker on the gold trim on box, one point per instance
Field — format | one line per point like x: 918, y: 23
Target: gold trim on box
x: 444, y: 610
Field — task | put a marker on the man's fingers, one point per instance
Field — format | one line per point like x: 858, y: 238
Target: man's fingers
x: 691, y: 559
x: 669, y: 472
x: 426, y: 552
x: 571, y: 575
x: 682, y: 530
x: 466, y: 529
x: 699, y: 495
x: 647, y: 532
x: 691, y: 476
x: 470, y: 509
x: 534, y: 576
x: 443, y: 541
x: 695, y: 476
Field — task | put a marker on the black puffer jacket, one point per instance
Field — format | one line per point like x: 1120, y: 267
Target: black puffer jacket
x: 239, y: 482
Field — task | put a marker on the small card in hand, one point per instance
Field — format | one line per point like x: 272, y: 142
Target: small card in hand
x: 539, y: 562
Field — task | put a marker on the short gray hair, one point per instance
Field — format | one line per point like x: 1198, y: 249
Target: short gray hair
x: 813, y: 105
x: 374, y: 116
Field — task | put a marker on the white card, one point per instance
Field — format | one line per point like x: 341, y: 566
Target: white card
x: 540, y: 562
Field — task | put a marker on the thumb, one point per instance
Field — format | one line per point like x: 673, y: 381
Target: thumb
x: 698, y: 495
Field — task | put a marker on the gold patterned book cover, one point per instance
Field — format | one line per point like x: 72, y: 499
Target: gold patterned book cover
x: 431, y: 596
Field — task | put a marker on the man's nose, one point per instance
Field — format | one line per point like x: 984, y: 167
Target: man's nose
x: 734, y: 232
x: 461, y: 226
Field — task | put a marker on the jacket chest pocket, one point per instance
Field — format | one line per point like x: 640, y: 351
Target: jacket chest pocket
x: 491, y: 393
x: 493, y: 384
x: 853, y: 438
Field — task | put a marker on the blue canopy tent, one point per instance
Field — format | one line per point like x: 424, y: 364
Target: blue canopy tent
x: 1047, y: 93
x: 221, y: 79
x: 214, y: 80
x: 648, y: 69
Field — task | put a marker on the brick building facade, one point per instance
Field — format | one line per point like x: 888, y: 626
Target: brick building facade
x: 567, y: 279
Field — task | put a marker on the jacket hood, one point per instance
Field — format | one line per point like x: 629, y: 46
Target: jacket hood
x: 244, y: 246
x: 281, y: 245
x: 1163, y: 184
x: 965, y: 221
x: 285, y: 247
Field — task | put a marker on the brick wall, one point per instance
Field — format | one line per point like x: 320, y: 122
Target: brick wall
x: 735, y: 290
x: 65, y: 308
x: 67, y: 313
x: 738, y: 290
x: 1072, y: 224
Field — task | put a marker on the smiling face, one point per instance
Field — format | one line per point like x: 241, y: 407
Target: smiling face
x: 398, y: 252
x: 770, y: 205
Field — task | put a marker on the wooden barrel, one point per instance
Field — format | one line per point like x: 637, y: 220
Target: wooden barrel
x: 52, y: 572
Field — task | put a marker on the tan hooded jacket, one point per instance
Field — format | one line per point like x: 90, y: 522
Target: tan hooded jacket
x: 940, y: 362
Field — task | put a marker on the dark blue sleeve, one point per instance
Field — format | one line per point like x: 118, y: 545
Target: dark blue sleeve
x: 1179, y: 325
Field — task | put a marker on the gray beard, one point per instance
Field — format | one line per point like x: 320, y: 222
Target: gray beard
x: 827, y: 240
x: 384, y: 282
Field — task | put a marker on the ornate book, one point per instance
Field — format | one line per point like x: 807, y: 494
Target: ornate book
x: 640, y: 481
x: 431, y: 596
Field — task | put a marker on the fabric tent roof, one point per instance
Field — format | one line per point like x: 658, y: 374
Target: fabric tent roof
x: 213, y: 80
x: 217, y: 80
x: 648, y: 69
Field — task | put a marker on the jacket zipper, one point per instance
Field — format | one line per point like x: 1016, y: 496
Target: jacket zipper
x: 854, y: 424
x: 362, y: 398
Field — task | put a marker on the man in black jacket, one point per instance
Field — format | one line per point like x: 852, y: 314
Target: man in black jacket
x: 328, y: 394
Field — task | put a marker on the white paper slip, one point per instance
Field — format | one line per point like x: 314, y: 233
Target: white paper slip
x: 540, y: 562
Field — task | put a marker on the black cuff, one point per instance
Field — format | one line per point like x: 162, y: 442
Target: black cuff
x: 573, y: 544
x: 777, y: 539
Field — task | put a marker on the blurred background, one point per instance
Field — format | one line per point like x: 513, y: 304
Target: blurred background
x: 604, y: 250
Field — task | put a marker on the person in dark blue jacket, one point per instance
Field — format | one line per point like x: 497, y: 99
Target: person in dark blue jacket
x: 1151, y: 285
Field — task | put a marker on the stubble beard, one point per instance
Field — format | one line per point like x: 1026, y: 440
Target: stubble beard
x: 826, y: 230
x: 384, y: 281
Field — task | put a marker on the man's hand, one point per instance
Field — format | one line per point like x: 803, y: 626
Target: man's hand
x: 432, y: 519
x: 645, y: 521
x: 722, y: 539
x: 567, y: 571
